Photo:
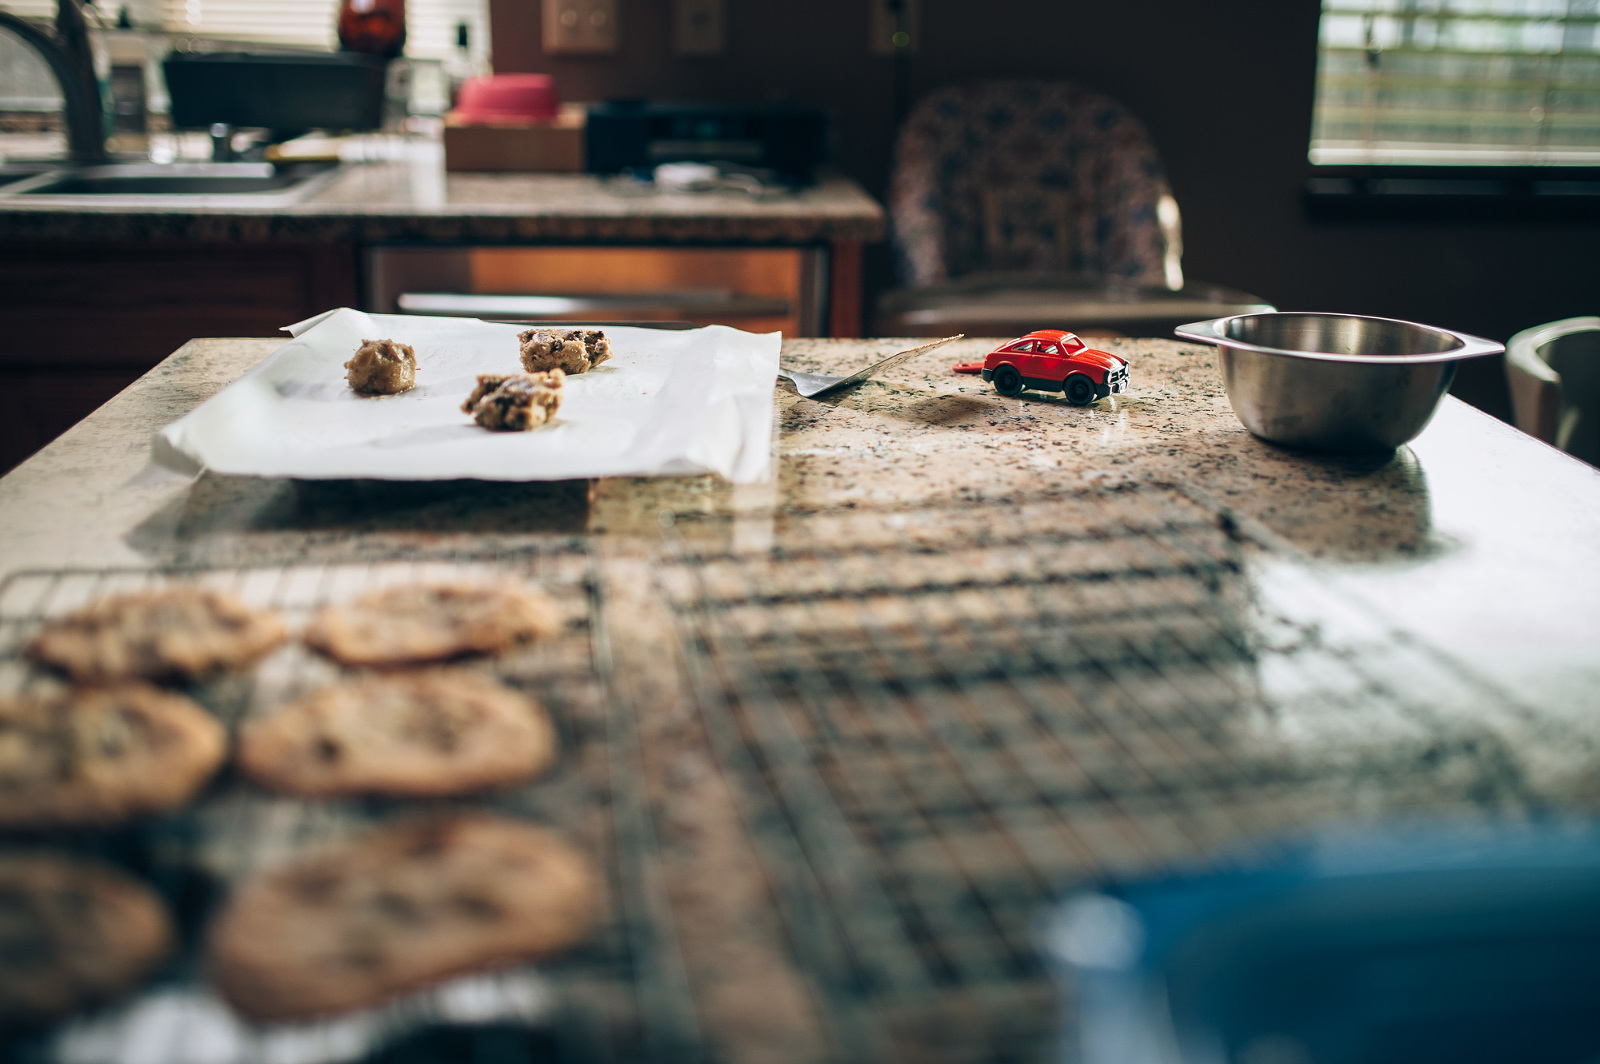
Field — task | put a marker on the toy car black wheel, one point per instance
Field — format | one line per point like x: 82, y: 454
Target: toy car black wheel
x: 1007, y: 381
x: 1078, y: 389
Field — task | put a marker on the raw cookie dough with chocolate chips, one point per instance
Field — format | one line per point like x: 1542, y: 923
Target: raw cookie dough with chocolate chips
x: 425, y: 734
x: 74, y: 932
x: 515, y: 402
x: 99, y: 756
x: 178, y: 633
x: 571, y: 350
x: 382, y: 367
x: 409, y: 904
x: 416, y: 623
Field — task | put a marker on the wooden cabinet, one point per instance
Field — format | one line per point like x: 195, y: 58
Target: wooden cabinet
x: 758, y: 289
x: 81, y: 321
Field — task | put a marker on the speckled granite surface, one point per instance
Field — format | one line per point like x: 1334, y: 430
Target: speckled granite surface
x: 1409, y: 633
x: 416, y: 201
x: 1477, y: 535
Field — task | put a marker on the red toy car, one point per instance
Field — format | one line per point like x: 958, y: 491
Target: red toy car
x: 1052, y: 360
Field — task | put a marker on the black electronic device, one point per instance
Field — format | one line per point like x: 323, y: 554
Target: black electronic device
x: 635, y: 135
x: 287, y: 94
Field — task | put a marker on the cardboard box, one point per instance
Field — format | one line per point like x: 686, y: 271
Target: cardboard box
x: 548, y: 146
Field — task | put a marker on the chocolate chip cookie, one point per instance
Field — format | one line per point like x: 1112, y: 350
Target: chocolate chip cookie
x: 100, y: 756
x: 73, y: 932
x: 382, y: 367
x: 411, y: 903
x: 429, y: 733
x: 178, y: 633
x: 422, y: 623
x: 515, y: 402
x: 571, y: 350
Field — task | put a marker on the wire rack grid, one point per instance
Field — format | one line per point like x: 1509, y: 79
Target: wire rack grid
x: 940, y: 718
x: 616, y: 998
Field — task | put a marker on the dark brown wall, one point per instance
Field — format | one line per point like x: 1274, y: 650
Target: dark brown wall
x: 1225, y: 89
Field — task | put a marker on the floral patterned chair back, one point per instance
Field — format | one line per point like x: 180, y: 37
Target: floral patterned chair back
x: 1025, y: 176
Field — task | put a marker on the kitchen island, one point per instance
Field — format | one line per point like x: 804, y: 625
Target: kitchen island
x: 844, y: 733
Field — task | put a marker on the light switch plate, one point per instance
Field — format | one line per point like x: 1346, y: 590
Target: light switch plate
x: 887, y: 20
x: 699, y: 27
x: 589, y: 27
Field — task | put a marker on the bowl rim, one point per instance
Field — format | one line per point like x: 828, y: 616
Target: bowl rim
x: 1214, y: 331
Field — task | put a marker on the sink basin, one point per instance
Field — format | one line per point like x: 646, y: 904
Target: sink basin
x: 247, y: 182
x: 19, y: 170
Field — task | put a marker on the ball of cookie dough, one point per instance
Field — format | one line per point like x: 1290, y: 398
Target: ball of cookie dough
x: 569, y: 350
x: 515, y: 402
x: 382, y: 367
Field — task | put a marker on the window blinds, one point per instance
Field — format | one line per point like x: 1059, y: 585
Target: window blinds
x: 1495, y: 82
x: 430, y: 24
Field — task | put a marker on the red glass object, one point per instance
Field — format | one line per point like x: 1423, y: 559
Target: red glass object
x: 376, y: 27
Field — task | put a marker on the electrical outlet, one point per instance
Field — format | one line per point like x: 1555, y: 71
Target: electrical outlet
x: 894, y: 26
x: 582, y: 26
x: 699, y: 27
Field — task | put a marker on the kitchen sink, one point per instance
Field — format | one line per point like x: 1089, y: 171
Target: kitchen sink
x: 21, y: 170
x: 265, y: 183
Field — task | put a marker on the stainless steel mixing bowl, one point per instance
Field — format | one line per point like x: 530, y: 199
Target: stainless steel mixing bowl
x: 1335, y: 382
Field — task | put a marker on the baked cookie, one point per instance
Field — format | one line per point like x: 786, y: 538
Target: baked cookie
x: 411, y: 903
x: 515, y: 402
x: 99, y: 756
x: 571, y: 350
x: 173, y: 634
x: 430, y: 733
x: 73, y: 932
x: 382, y: 367
x: 418, y: 623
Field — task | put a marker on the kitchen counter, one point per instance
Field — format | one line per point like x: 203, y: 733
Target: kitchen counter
x: 152, y: 271
x: 1476, y: 533
x: 413, y: 199
x: 1421, y: 634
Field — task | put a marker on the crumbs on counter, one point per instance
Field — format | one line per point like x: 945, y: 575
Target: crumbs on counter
x: 515, y: 402
x: 569, y: 350
x: 382, y: 367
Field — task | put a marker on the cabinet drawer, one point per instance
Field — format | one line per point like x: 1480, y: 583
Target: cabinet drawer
x: 758, y: 289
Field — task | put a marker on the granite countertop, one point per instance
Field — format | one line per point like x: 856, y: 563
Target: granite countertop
x: 413, y: 199
x: 1410, y: 632
x: 1475, y: 534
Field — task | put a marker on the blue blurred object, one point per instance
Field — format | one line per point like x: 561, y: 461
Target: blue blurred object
x: 1459, y: 944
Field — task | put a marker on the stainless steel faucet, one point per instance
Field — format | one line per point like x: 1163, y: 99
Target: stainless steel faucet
x: 72, y: 62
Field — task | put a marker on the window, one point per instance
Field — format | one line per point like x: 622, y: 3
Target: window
x: 1458, y: 82
x: 430, y: 24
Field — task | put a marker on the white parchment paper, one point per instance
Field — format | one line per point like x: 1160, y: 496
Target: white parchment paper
x: 668, y: 402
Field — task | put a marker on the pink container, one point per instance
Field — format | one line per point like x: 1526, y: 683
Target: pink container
x: 508, y: 96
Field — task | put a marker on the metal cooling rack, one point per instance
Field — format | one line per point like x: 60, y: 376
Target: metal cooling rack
x: 932, y: 721
x: 617, y: 997
x: 939, y: 718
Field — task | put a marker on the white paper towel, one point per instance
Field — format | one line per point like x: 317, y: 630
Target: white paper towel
x: 668, y: 402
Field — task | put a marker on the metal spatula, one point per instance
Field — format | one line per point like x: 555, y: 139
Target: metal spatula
x: 812, y: 385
